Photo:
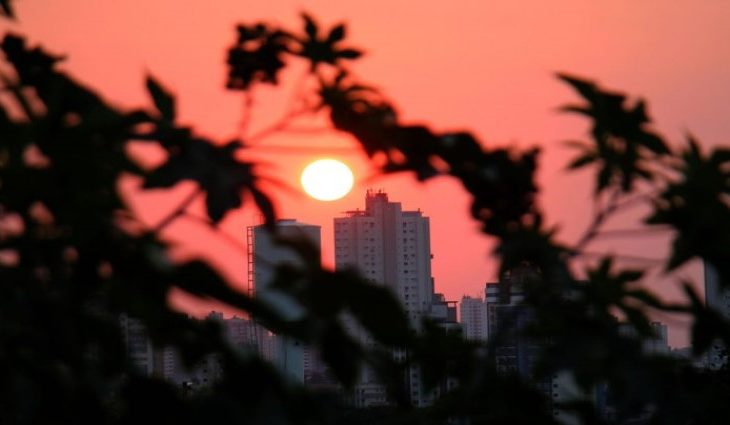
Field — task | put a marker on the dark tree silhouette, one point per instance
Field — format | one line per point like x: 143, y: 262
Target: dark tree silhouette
x: 73, y: 256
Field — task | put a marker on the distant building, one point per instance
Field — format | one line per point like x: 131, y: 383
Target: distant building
x: 507, y: 317
x: 250, y: 337
x: 264, y: 256
x: 139, y: 349
x: 444, y: 312
x: 473, y: 315
x: 390, y: 247
x: 660, y: 343
x: 717, y: 299
x: 686, y: 353
x: 166, y: 363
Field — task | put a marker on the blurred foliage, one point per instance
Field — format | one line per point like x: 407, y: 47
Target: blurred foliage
x: 73, y: 257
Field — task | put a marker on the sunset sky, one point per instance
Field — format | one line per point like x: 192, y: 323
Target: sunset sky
x: 483, y: 66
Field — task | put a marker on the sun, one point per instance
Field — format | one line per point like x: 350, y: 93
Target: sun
x: 327, y: 179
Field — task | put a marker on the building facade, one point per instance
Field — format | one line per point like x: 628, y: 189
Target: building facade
x: 264, y: 257
x: 717, y: 299
x: 473, y: 318
x: 139, y: 349
x: 390, y: 247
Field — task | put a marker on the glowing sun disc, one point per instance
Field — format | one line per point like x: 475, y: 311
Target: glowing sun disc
x: 327, y: 179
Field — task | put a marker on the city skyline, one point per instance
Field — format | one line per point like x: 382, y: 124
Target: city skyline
x: 558, y: 168
x: 491, y: 76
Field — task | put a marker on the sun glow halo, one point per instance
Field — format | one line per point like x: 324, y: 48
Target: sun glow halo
x: 327, y: 179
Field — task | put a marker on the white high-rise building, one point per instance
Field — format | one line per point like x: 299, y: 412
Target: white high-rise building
x: 264, y: 256
x: 473, y: 315
x: 390, y: 247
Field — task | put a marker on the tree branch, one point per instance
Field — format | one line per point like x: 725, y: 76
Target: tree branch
x: 617, y: 233
x: 246, y: 115
x: 654, y: 261
x: 614, y: 205
x: 297, y: 106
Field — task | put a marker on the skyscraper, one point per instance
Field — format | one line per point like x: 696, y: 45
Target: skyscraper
x: 264, y: 256
x: 390, y: 247
x: 473, y: 315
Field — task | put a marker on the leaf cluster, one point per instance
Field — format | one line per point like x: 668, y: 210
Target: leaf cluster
x: 622, y: 144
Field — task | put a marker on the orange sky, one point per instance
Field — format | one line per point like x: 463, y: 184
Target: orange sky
x: 478, y: 65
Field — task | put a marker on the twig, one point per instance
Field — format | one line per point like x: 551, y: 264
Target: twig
x: 180, y: 210
x: 636, y: 199
x: 631, y: 232
x: 293, y: 110
x: 295, y: 150
x: 246, y: 115
x: 603, y: 214
x: 655, y: 261
x: 307, y: 130
x: 279, y: 125
x: 598, y: 220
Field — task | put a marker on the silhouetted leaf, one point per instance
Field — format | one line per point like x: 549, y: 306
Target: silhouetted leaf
x: 336, y: 34
x: 695, y: 206
x: 582, y: 161
x: 257, y: 56
x: 342, y: 354
x: 219, y: 174
x: 264, y: 204
x: 6, y: 9
x: 164, y: 102
x: 350, y: 54
x: 33, y: 65
x: 388, y: 323
x: 324, y: 49
x: 310, y: 27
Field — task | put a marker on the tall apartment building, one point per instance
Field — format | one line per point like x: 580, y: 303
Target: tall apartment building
x: 473, y: 317
x: 139, y: 349
x: 264, y: 256
x: 391, y: 247
x: 507, y: 315
x: 507, y: 318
